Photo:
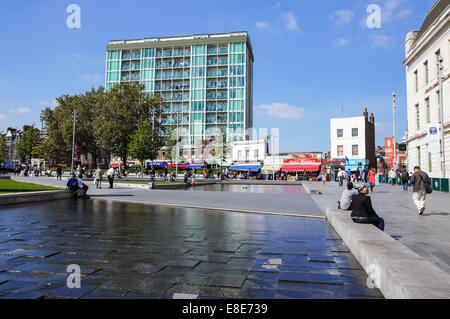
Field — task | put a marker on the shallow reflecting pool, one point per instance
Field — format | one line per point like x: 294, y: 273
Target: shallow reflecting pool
x: 272, y: 189
x: 137, y: 251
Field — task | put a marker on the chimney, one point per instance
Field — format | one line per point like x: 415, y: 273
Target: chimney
x: 366, y: 114
x: 372, y: 119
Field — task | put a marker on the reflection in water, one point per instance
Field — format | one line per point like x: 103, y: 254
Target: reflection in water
x: 273, y: 189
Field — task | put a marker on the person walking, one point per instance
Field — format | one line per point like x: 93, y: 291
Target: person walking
x: 405, y: 180
x: 372, y: 180
x: 363, y: 212
x: 110, y: 174
x: 341, y: 175
x: 420, y: 182
x: 324, y: 176
x: 59, y: 173
x: 98, y: 177
x: 392, y: 176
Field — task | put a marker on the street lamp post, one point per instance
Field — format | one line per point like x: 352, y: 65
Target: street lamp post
x: 176, y: 158
x: 441, y: 106
x: 394, y: 107
x: 73, y: 139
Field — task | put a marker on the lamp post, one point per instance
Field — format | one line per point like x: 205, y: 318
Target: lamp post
x: 176, y: 158
x: 73, y: 139
x: 394, y: 107
x: 441, y: 107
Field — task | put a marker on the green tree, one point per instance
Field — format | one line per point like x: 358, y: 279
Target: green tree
x: 29, y: 139
x: 3, y: 149
x: 144, y: 143
x: 125, y: 107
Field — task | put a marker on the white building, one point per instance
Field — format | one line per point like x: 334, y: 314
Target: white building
x: 423, y: 50
x: 252, y: 151
x: 353, y: 138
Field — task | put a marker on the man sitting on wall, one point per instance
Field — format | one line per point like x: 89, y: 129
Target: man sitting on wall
x: 76, y: 184
x: 347, y: 197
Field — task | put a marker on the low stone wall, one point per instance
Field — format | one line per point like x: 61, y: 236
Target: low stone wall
x: 401, y: 272
x: 32, y: 197
x: 5, y: 177
x: 258, y: 182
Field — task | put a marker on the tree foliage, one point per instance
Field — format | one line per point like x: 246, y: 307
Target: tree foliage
x: 29, y: 139
x: 144, y: 143
x: 3, y: 149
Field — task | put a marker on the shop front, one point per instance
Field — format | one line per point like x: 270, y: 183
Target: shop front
x: 302, y: 167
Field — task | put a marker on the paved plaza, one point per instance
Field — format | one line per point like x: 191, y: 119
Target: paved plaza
x: 140, y: 251
x: 427, y: 235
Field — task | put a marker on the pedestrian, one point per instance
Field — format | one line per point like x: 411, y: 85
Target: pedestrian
x: 420, y: 182
x: 405, y: 180
x: 372, y: 180
x: 110, y: 174
x: 347, y: 197
x: 392, y: 176
x: 98, y: 177
x: 324, y: 176
x: 341, y: 174
x: 363, y: 212
x: 59, y: 173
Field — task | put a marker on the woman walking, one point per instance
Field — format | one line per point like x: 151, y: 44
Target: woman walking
x: 372, y: 180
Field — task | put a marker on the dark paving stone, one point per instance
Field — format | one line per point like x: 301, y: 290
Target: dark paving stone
x: 67, y: 293
x: 227, y: 281
x: 295, y: 261
x: 299, y: 252
x: 101, y: 293
x: 321, y: 258
x: 219, y: 292
x: 259, y: 294
x: 326, y: 279
x: 363, y: 291
x: 194, y: 279
x: 184, y: 263
x: 31, y: 253
x: 269, y: 261
x: 271, y: 251
x: 7, y: 258
x: 294, y: 276
x: 50, y: 268
x: 24, y: 295
x: 266, y: 268
x: 290, y: 294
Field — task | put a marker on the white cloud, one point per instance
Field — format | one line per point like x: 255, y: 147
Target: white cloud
x: 342, y: 16
x: 290, y: 21
x: 381, y: 40
x: 263, y: 25
x: 20, y: 110
x: 340, y: 42
x: 51, y: 104
x: 281, y: 110
x: 392, y: 10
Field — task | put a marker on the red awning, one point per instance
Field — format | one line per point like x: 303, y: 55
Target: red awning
x: 300, y: 168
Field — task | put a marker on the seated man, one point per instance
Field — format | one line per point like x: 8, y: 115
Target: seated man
x: 347, y: 197
x: 363, y: 212
x: 76, y: 184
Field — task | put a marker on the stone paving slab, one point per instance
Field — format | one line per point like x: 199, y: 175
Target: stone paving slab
x: 138, y: 252
x: 426, y: 235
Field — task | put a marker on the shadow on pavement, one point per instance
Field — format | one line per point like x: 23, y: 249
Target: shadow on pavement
x: 112, y: 195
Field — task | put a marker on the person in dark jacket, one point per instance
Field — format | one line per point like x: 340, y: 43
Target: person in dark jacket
x: 363, y: 212
x: 405, y: 180
x: 420, y: 181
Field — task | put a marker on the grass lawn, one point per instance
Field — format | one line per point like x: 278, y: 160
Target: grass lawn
x: 9, y: 187
x: 146, y: 182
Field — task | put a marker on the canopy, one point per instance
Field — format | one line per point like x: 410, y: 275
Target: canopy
x: 194, y: 166
x: 300, y: 168
x: 269, y: 169
x: 245, y: 168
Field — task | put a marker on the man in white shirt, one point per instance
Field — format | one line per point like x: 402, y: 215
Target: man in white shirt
x: 347, y: 197
x: 110, y: 175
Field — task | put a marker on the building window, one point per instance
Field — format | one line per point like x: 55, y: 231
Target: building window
x: 427, y: 102
x: 256, y: 154
x: 430, y: 162
x: 239, y: 155
x: 438, y: 57
x: 419, y: 157
x: 426, y: 72
x: 416, y: 76
x: 417, y: 117
x: 355, y: 151
x: 340, y: 133
x: 354, y: 132
x: 340, y: 150
x: 247, y: 154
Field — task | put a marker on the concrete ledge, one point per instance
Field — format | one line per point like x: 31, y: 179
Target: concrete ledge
x: 31, y: 197
x: 5, y: 177
x: 403, y: 273
x: 169, y: 186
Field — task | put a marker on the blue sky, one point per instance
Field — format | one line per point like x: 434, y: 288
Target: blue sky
x: 314, y: 60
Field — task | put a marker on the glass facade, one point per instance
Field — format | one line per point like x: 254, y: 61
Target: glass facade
x: 206, y: 86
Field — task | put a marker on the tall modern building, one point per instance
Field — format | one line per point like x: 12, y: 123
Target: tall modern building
x: 206, y: 80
